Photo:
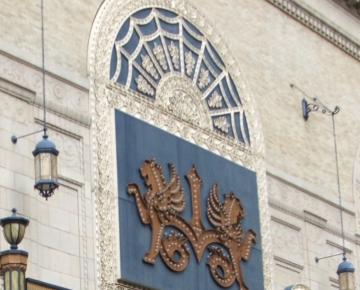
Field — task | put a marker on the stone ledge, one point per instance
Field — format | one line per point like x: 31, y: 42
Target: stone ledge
x: 353, y: 6
x: 17, y: 91
x: 285, y: 263
x: 294, y: 212
x: 339, y: 247
x: 285, y: 223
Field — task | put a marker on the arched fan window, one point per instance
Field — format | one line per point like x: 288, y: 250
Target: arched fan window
x: 155, y: 42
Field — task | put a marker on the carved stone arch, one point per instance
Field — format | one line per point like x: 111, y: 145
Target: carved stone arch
x: 356, y: 188
x: 149, y: 95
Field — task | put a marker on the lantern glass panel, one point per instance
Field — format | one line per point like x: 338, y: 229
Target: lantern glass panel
x: 37, y: 167
x: 21, y: 232
x: 45, y: 165
x: 54, y: 173
x: 14, y: 232
x: 7, y: 233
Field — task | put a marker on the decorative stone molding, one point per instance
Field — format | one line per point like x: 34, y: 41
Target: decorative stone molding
x: 312, y: 219
x: 285, y: 263
x: 296, y: 11
x: 24, y: 82
x: 13, y: 261
x: 356, y: 189
x: 339, y: 247
x: 316, y: 192
x: 106, y: 96
x: 285, y: 223
x: 17, y: 91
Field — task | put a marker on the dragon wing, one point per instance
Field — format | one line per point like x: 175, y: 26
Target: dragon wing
x: 215, y: 207
x: 171, y: 198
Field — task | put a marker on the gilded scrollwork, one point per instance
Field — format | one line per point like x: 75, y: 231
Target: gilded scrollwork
x: 161, y: 207
x: 105, y: 97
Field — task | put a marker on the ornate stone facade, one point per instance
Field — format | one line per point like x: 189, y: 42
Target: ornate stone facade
x: 162, y: 113
x: 314, y: 44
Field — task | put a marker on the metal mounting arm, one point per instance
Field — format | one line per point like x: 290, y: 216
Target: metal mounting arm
x: 326, y: 257
x: 15, y: 138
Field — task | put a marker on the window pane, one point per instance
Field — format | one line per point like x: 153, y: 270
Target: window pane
x: 45, y: 165
x: 54, y: 174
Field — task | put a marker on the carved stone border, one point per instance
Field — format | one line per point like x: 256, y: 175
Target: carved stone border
x: 319, y: 26
x: 105, y: 98
x: 356, y: 189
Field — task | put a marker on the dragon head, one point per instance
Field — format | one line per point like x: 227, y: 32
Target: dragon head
x: 151, y: 173
x: 233, y: 209
x: 146, y: 171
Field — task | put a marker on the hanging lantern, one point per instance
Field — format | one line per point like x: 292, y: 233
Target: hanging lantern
x: 14, y: 229
x: 346, y: 272
x: 46, y: 177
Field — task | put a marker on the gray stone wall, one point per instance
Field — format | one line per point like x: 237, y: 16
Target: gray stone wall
x: 272, y: 50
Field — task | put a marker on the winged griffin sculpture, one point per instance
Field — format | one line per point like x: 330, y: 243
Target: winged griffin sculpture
x: 161, y: 207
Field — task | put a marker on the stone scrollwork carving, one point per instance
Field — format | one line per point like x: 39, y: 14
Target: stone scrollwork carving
x: 215, y: 101
x: 177, y: 95
x: 149, y: 66
x: 174, y: 52
x: 144, y: 86
x: 160, y: 55
x: 204, y: 78
x: 356, y: 187
x: 222, y: 124
x: 151, y: 107
x: 189, y: 63
x: 161, y: 207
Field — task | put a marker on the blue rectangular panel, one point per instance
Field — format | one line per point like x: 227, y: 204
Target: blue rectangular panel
x: 137, y: 141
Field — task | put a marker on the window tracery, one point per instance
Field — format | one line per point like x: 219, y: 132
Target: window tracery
x: 153, y: 43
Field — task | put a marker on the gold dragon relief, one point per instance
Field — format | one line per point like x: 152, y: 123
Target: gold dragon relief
x: 161, y: 207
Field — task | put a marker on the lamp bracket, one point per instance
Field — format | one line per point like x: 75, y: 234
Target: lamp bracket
x: 316, y: 106
x: 14, y: 138
x: 327, y: 257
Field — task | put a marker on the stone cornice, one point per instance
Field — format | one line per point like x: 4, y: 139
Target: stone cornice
x: 351, y: 5
x: 319, y: 26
